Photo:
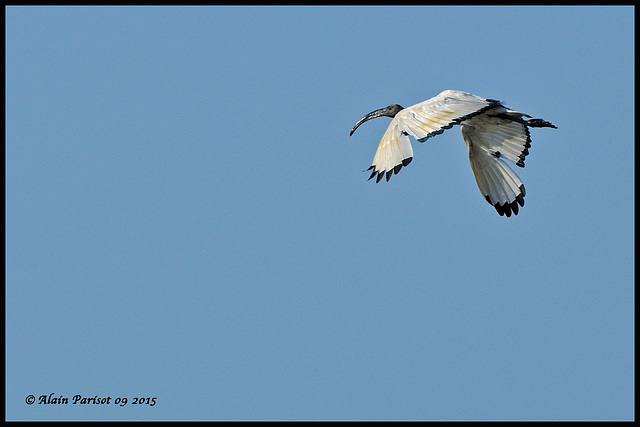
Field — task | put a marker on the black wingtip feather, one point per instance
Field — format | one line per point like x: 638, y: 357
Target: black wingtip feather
x: 387, y: 174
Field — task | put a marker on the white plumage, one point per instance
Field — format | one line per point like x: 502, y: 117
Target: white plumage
x: 491, y: 131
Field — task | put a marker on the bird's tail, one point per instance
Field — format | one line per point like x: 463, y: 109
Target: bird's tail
x: 539, y: 123
x: 516, y: 116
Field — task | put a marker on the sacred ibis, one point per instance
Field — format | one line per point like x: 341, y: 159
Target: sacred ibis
x: 491, y: 131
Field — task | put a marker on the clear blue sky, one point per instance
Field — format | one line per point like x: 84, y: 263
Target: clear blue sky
x: 187, y: 217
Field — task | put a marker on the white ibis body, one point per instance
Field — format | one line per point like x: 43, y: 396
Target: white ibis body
x: 491, y: 131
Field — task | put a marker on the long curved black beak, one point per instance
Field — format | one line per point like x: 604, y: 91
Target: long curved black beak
x: 389, y: 111
x: 371, y: 115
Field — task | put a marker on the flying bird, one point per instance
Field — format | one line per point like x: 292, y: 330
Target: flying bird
x: 491, y: 131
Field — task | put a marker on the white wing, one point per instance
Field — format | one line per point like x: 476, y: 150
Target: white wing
x: 435, y: 115
x: 394, y: 152
x: 422, y: 121
x: 498, y: 134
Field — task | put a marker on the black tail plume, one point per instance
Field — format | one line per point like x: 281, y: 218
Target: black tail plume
x: 539, y: 123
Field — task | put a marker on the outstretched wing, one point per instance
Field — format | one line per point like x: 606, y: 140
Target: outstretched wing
x: 435, y: 115
x: 499, y: 134
x: 394, y: 152
x: 422, y: 121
